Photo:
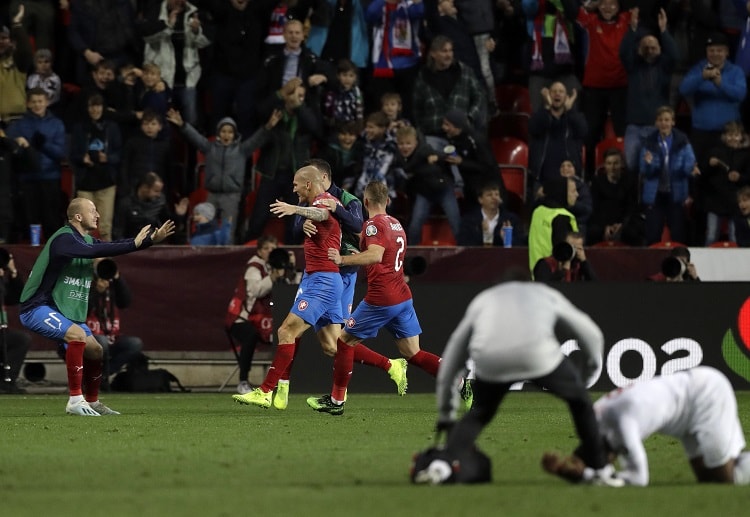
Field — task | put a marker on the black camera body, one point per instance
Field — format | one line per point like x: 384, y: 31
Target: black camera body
x: 563, y: 252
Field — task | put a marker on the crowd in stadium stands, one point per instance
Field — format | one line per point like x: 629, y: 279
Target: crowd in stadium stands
x: 151, y: 107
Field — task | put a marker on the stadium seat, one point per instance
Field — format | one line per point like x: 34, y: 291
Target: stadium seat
x: 511, y: 124
x: 667, y: 245
x: 437, y: 232
x: 514, y: 178
x: 617, y: 142
x: 610, y: 244
x: 723, y: 244
x: 510, y: 151
x: 513, y: 98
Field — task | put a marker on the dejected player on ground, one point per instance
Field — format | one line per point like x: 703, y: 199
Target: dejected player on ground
x: 387, y: 304
x: 696, y: 406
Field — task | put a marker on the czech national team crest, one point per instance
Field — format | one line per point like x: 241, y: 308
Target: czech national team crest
x: 302, y: 305
x: 371, y: 230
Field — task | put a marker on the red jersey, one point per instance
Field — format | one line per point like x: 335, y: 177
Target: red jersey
x: 603, y: 67
x: 328, y: 236
x: 385, y: 280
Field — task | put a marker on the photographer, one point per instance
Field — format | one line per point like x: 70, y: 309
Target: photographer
x: 677, y: 268
x: 109, y: 293
x: 15, y: 343
x: 567, y: 264
x: 249, y: 318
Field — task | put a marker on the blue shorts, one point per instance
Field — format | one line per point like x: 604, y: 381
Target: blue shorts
x: 318, y: 300
x: 400, y: 320
x: 347, y: 297
x: 50, y: 323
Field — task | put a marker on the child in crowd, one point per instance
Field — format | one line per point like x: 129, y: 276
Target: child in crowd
x: 226, y: 159
x: 378, y: 155
x: 206, y: 229
x: 729, y: 169
x: 344, y: 102
x: 45, y: 78
x: 151, y: 91
x: 95, y: 151
x: 429, y: 182
x: 345, y: 154
x: 583, y: 206
x: 390, y: 104
x: 147, y: 151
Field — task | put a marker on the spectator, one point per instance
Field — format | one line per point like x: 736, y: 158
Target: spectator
x: 45, y: 78
x: 478, y: 17
x: 17, y: 342
x: 551, y: 53
x: 444, y: 84
x: 151, y: 92
x: 604, y: 78
x: 103, y: 29
x: 567, y: 263
x: 556, y: 133
x: 95, y: 151
x: 742, y: 221
x: 174, y: 35
x: 677, y: 267
x: 8, y: 186
x: 471, y: 161
x: 110, y: 294
x: 650, y: 62
x: 226, y: 159
x: 379, y: 153
x: 728, y: 170
x: 346, y: 37
x: 613, y: 196
x: 41, y: 137
x: 428, y: 182
x: 552, y: 220
x: 583, y: 206
x: 345, y: 154
x: 148, y: 206
x: 484, y: 225
x: 148, y: 151
x: 288, y: 144
x: 15, y: 60
x: 307, y: 12
x: 667, y: 163
x: 38, y: 20
x: 295, y: 60
x: 343, y: 102
x: 395, y: 49
x: 391, y: 105
x: 237, y: 56
x: 207, y: 230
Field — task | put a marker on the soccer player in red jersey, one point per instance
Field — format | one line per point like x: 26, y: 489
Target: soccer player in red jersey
x: 388, y: 302
x: 318, y: 301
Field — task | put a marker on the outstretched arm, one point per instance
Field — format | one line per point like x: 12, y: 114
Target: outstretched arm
x: 281, y: 209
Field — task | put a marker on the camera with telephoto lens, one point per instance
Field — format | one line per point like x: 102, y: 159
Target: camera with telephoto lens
x: 563, y: 252
x: 673, y: 267
x: 414, y: 266
x: 106, y: 269
x: 4, y: 258
x: 279, y: 259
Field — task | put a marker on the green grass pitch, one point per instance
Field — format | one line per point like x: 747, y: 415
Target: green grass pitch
x: 203, y: 454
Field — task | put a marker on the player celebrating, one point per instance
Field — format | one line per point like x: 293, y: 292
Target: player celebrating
x: 695, y: 406
x: 54, y: 302
x: 318, y: 301
x: 388, y: 302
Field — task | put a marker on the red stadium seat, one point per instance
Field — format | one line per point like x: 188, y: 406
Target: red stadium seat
x: 511, y: 124
x: 723, y: 244
x: 514, y: 178
x: 437, y: 232
x: 667, y: 245
x: 510, y: 151
x: 513, y: 98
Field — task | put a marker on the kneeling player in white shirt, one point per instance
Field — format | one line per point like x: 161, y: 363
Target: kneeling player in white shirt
x: 696, y: 406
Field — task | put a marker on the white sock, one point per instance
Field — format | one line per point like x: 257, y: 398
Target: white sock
x: 283, y: 382
x: 337, y: 402
x: 742, y: 469
x: 74, y: 399
x: 470, y: 375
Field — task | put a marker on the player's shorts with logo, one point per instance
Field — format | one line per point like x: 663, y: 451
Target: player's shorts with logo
x: 49, y: 322
x: 400, y: 320
x: 347, y: 297
x: 318, y: 300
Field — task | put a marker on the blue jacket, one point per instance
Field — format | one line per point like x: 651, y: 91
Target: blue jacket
x: 360, y: 46
x: 211, y: 234
x: 681, y: 163
x: 714, y: 106
x: 47, y: 136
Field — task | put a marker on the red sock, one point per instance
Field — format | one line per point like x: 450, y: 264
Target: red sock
x: 92, y: 378
x: 343, y: 363
x: 364, y: 355
x: 282, y: 358
x: 429, y: 362
x: 288, y: 372
x: 74, y: 364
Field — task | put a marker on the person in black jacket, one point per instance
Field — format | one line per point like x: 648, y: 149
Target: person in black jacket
x: 17, y: 342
